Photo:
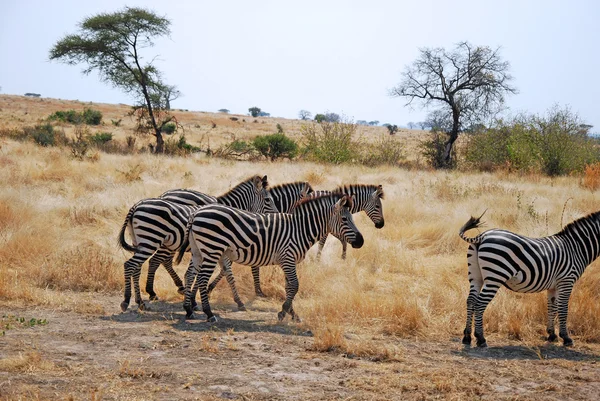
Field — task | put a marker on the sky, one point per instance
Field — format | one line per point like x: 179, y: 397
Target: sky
x: 320, y: 56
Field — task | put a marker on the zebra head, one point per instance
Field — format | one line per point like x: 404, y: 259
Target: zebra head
x: 374, y: 208
x: 261, y: 200
x: 342, y: 225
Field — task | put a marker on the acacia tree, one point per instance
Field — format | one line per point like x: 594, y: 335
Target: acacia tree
x: 466, y: 84
x: 170, y: 93
x: 110, y: 43
x: 304, y: 114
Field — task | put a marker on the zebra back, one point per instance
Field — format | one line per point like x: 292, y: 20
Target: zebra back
x: 285, y: 196
x: 188, y: 197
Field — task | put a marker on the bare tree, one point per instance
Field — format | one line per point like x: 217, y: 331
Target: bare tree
x: 468, y: 84
x: 170, y: 93
x: 304, y: 114
x: 411, y: 125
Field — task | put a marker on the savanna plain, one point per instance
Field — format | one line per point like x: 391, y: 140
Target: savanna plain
x: 385, y: 323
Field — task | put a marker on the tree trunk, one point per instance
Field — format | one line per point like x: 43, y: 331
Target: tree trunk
x: 452, y: 137
x: 160, y: 143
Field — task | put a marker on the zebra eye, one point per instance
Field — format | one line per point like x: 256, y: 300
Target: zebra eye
x: 344, y: 219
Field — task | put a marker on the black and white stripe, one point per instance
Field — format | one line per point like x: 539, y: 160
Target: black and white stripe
x: 157, y: 227
x: 219, y: 234
x: 501, y: 258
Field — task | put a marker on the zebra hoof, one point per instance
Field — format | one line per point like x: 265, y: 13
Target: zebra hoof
x: 124, y: 306
x: 212, y: 319
x: 466, y: 340
x: 190, y: 316
x: 153, y: 298
x: 142, y: 306
x: 242, y: 308
x: 568, y: 342
x: 482, y: 345
x: 196, y: 308
x: 552, y: 338
x: 280, y: 315
x: 296, y: 319
x: 181, y: 290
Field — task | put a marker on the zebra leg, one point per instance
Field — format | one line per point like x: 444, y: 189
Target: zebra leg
x: 291, y: 288
x: 564, y: 293
x: 488, y: 291
x: 188, y: 300
x: 213, y: 284
x: 475, y: 283
x: 132, y: 270
x: 321, y: 245
x: 344, y: 246
x: 551, y: 315
x: 226, y: 267
x: 168, y: 263
x: 256, y: 279
x: 153, y: 265
x: 206, y: 270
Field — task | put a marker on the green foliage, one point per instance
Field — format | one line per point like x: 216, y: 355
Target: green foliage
x: 275, y: 146
x: 179, y: 146
x: 320, y: 118
x: 45, y: 135
x: 116, y: 123
x: 385, y: 151
x: 555, y: 144
x: 328, y: 142
x: 432, y: 149
x: 279, y: 129
x: 236, y: 149
x: 254, y: 111
x: 100, y: 138
x: 87, y: 116
x: 111, y: 44
x: 169, y: 128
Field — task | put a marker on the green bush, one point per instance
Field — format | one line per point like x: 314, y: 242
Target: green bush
x: 432, y: 149
x: 320, y: 118
x: 275, y: 146
x: 100, y: 138
x: 328, y: 142
x: 179, y: 146
x: 45, y: 135
x: 385, y: 151
x: 555, y: 144
x: 169, y: 128
x: 88, y: 116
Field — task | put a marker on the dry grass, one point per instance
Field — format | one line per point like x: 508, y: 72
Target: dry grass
x: 59, y: 218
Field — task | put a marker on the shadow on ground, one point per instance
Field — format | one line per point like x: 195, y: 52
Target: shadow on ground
x: 523, y: 352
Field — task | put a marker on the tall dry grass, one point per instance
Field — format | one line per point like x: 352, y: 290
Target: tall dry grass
x: 59, y: 219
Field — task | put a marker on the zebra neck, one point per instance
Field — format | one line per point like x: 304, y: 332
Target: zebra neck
x: 238, y: 197
x: 584, y: 237
x: 359, y: 194
x: 312, y: 225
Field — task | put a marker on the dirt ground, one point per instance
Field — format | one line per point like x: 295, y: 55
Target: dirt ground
x: 158, y: 355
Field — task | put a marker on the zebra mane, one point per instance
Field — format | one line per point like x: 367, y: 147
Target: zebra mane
x: 319, y: 198
x: 592, y: 218
x: 250, y: 180
x: 352, y: 189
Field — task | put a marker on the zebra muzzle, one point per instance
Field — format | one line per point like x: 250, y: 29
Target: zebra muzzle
x: 358, y: 242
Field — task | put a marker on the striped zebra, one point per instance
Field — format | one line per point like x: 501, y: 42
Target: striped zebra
x: 157, y: 227
x: 218, y: 234
x: 554, y: 263
x: 366, y: 198
x: 285, y: 197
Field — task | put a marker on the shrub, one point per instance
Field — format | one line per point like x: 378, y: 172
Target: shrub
x: 275, y: 146
x: 116, y: 123
x: 179, y: 146
x: 100, y: 138
x: 385, y: 151
x: 236, y: 149
x: 169, y: 128
x: 88, y: 116
x: 392, y: 129
x: 254, y: 111
x: 80, y: 145
x: 320, y: 118
x: 432, y: 149
x: 330, y: 142
x: 45, y: 135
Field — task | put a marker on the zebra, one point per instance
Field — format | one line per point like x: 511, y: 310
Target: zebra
x: 553, y: 263
x: 285, y: 197
x: 158, y: 226
x: 366, y: 198
x: 218, y: 234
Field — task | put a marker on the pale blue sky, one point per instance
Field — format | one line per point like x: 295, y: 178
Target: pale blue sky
x: 339, y: 56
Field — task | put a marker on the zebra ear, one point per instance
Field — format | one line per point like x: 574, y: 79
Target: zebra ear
x: 305, y: 189
x: 345, y: 201
x: 379, y: 192
x: 265, y: 182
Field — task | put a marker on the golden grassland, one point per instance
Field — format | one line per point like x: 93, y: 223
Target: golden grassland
x: 199, y: 128
x: 59, y: 219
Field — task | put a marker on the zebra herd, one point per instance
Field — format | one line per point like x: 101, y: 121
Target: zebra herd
x: 257, y: 225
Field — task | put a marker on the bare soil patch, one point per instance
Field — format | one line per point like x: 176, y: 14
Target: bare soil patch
x: 158, y: 355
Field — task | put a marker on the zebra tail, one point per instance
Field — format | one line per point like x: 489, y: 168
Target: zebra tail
x: 185, y: 244
x: 474, y: 222
x: 122, y: 242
